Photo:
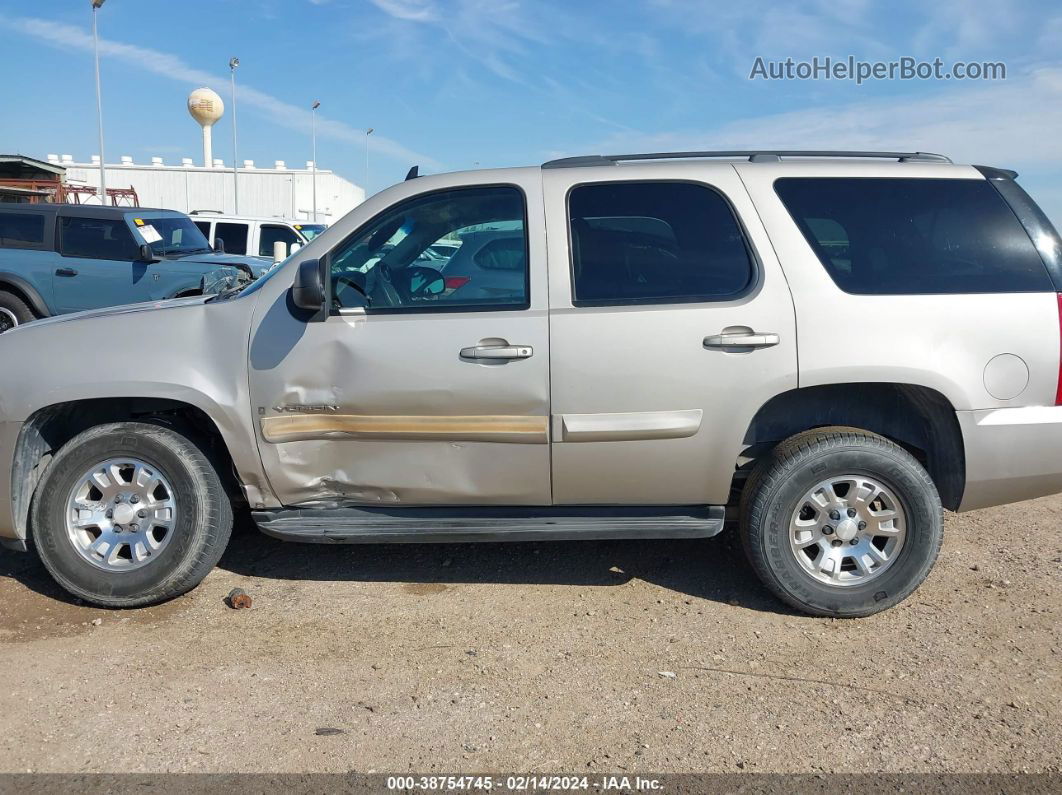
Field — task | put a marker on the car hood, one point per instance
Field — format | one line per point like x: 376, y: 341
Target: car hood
x: 124, y: 309
x: 258, y: 265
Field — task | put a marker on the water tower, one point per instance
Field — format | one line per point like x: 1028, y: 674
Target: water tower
x: 206, y: 108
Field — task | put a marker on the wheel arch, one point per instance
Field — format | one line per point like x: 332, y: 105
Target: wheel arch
x: 19, y: 286
x: 49, y: 428
x: 919, y: 418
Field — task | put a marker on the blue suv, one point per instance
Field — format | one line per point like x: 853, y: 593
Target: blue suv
x: 60, y: 258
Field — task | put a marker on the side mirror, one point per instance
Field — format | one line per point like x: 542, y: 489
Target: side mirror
x: 145, y: 254
x: 219, y: 245
x: 308, y: 290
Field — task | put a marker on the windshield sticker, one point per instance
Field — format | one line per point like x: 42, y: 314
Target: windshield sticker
x: 149, y: 234
x: 138, y: 221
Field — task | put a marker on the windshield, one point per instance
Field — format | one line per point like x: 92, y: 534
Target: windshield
x: 170, y: 236
x: 310, y: 231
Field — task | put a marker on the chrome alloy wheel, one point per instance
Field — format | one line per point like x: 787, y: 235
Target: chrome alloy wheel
x: 847, y: 530
x: 7, y: 320
x: 120, y: 514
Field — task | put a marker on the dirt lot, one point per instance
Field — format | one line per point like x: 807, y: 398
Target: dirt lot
x: 543, y: 658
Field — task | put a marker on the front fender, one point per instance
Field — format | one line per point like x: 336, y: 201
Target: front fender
x: 192, y: 353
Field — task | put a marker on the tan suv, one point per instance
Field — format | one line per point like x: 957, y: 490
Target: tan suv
x: 834, y: 345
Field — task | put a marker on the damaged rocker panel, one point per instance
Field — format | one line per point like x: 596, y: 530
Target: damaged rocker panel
x: 474, y: 428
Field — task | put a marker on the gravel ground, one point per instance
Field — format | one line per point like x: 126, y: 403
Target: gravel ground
x: 620, y: 657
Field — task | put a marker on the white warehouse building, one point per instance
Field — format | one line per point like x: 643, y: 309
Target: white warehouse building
x: 276, y: 192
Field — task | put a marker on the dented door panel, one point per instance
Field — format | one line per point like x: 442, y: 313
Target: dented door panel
x: 365, y: 409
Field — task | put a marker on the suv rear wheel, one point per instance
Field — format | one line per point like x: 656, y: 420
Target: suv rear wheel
x: 13, y: 311
x: 841, y: 522
x: 130, y: 514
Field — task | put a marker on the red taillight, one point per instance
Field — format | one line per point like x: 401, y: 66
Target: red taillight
x: 453, y: 282
x: 1058, y: 391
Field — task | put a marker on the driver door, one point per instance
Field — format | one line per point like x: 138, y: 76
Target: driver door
x: 415, y: 390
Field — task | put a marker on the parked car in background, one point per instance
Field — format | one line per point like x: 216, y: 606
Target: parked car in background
x: 60, y: 258
x: 245, y: 234
x: 828, y: 348
x: 487, y: 263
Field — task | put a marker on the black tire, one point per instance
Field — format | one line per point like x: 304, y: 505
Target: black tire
x: 200, y: 532
x: 795, y: 466
x: 13, y: 311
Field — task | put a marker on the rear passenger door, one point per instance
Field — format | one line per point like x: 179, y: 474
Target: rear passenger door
x: 97, y: 265
x: 670, y: 325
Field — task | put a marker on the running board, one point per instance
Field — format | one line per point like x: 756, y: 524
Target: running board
x: 461, y: 525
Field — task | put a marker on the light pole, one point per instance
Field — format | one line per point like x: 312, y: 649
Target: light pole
x: 233, y: 63
x: 99, y: 101
x: 313, y: 135
x: 368, y: 132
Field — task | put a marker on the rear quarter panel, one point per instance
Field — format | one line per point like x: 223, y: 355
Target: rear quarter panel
x: 943, y: 342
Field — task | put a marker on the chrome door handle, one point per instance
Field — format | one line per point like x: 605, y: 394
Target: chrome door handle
x: 497, y: 352
x: 726, y: 341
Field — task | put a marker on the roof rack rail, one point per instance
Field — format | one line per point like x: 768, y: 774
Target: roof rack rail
x: 752, y: 155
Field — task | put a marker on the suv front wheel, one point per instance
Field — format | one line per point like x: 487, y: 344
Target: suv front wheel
x: 841, y: 522
x: 130, y: 514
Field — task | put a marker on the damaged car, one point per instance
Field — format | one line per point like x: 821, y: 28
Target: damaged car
x: 827, y: 349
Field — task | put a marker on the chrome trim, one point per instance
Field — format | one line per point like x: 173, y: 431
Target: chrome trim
x: 628, y: 426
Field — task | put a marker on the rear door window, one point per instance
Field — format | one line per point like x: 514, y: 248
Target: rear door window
x: 655, y: 242
x: 21, y: 230
x: 234, y: 236
x: 98, y: 238
x: 884, y: 236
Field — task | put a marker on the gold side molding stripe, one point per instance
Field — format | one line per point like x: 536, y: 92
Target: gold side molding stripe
x: 474, y: 428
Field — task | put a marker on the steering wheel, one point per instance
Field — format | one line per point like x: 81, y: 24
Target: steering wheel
x: 422, y: 292
x: 345, y: 279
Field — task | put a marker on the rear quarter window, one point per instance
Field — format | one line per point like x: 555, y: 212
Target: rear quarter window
x: 21, y: 230
x: 888, y: 236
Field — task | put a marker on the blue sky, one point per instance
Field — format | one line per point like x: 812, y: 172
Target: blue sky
x: 450, y: 84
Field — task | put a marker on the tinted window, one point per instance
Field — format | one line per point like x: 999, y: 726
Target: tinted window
x: 270, y: 234
x: 653, y: 242
x: 234, y: 235
x: 100, y: 238
x: 914, y: 236
x: 21, y: 230
x: 204, y: 227
x: 389, y: 264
